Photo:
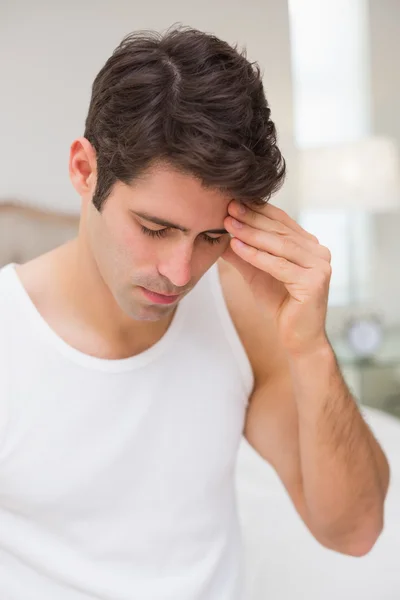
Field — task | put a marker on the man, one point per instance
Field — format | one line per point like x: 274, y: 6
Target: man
x: 133, y: 359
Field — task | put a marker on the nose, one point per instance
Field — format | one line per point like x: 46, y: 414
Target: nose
x: 175, y: 264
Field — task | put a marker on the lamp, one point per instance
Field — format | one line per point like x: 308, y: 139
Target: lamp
x: 361, y: 175
x: 357, y: 177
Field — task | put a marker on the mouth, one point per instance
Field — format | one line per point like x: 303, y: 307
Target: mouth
x: 160, y: 298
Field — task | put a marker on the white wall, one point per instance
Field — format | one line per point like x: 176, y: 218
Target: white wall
x: 50, y: 53
x: 385, y: 104
x: 384, y: 17
x: 383, y: 41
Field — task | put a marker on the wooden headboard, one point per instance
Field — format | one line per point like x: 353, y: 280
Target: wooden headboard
x: 27, y: 232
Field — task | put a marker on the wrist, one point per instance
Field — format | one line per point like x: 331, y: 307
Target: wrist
x: 320, y: 348
x: 317, y: 359
x: 314, y: 375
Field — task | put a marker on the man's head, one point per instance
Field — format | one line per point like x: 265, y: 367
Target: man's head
x: 178, y: 126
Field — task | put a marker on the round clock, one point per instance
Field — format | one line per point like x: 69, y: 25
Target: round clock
x: 365, y: 335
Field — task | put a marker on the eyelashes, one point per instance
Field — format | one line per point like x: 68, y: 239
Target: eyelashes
x: 160, y: 233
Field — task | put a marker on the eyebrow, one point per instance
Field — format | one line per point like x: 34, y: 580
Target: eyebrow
x: 164, y: 223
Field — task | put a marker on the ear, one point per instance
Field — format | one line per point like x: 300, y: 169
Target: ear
x: 83, y: 168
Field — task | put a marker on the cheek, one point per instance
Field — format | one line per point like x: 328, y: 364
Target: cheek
x: 135, y: 245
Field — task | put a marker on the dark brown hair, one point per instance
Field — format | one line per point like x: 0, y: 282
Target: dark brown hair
x: 190, y: 99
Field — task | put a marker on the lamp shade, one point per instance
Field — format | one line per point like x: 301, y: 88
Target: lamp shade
x: 362, y: 175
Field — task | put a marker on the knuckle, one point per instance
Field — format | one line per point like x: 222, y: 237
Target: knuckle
x: 280, y: 229
x: 257, y: 238
x: 279, y: 213
x: 282, y: 263
x: 250, y: 215
x: 327, y: 253
x: 323, y: 277
x: 288, y: 243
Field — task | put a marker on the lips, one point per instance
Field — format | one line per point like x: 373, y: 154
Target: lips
x: 159, y: 294
x: 160, y: 298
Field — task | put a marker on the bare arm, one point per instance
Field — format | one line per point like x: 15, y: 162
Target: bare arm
x: 302, y: 417
x: 304, y: 421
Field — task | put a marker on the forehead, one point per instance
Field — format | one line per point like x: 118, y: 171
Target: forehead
x: 176, y: 196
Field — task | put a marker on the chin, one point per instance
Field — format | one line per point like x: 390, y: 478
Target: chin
x: 145, y: 312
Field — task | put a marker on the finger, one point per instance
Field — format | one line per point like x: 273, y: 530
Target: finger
x: 272, y: 212
x: 273, y: 288
x: 243, y: 266
x: 280, y: 268
x: 287, y: 236
x: 277, y: 245
x: 230, y: 256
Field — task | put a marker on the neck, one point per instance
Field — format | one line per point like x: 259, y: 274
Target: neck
x: 82, y: 309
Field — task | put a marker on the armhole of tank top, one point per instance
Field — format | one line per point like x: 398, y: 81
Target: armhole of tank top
x: 5, y: 403
x: 231, y: 333
x: 4, y: 407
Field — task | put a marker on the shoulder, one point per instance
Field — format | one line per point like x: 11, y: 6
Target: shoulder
x: 39, y: 275
x: 6, y: 283
x: 256, y: 329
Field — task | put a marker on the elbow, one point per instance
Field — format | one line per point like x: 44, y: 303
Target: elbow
x: 356, y: 543
x: 359, y: 549
x: 362, y: 544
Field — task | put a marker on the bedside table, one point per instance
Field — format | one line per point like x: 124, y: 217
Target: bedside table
x: 374, y: 381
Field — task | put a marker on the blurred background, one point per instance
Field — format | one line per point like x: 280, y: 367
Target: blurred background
x: 332, y: 81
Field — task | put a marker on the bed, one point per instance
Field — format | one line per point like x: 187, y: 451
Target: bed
x: 284, y: 562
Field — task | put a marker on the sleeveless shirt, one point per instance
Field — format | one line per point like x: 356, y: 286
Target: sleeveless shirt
x: 117, y: 477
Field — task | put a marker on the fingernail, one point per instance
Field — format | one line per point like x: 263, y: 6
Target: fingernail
x: 241, y: 209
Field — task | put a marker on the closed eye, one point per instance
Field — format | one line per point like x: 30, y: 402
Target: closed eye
x: 160, y: 233
x: 154, y: 233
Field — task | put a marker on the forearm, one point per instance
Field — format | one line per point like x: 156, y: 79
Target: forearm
x: 344, y: 471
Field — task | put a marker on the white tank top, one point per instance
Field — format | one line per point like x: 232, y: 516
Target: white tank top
x: 117, y: 477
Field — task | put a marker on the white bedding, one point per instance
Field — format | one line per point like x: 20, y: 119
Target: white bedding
x: 284, y: 561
